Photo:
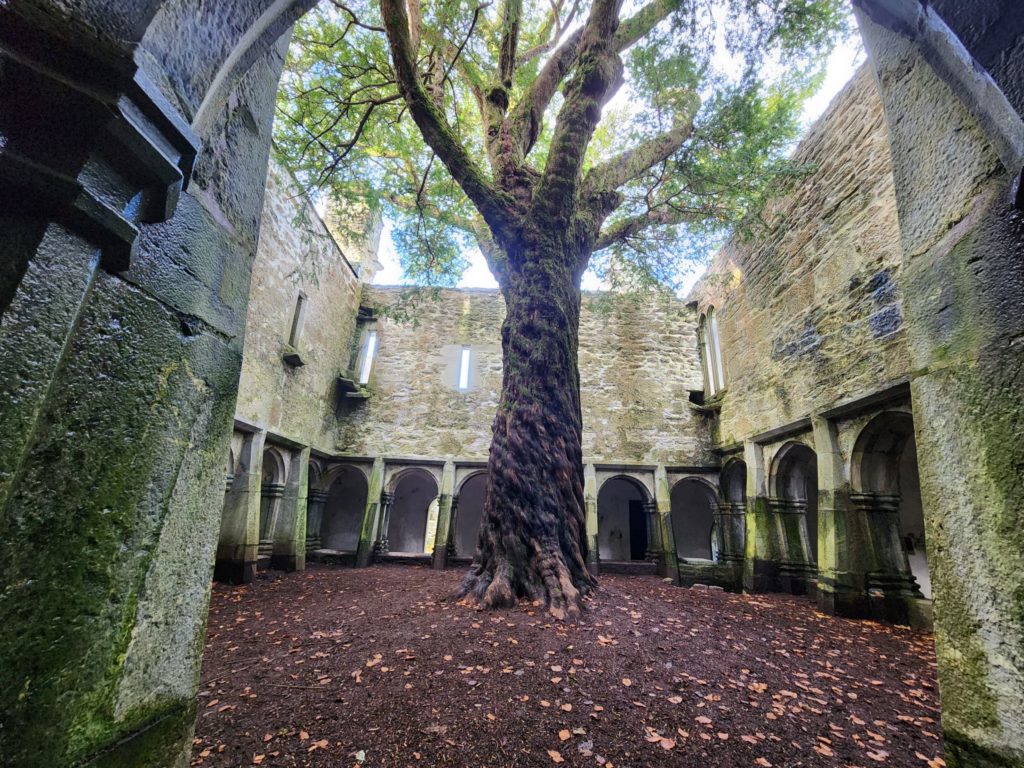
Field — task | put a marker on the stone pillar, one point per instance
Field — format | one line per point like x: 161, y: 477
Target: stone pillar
x: 796, y: 570
x: 382, y: 546
x: 444, y: 516
x: 238, y: 542
x: 453, y: 550
x: 844, y: 548
x: 270, y: 504
x: 892, y: 591
x: 289, y: 549
x: 669, y: 566
x: 371, y: 516
x: 655, y: 551
x: 590, y: 500
x: 120, y: 351
x: 762, y: 551
x: 315, y: 503
x: 956, y: 143
x: 731, y: 520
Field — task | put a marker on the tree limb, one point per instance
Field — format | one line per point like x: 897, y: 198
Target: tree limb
x: 597, y: 76
x: 434, y: 126
x: 524, y: 119
x: 624, y: 229
x: 511, y: 18
x: 632, y: 163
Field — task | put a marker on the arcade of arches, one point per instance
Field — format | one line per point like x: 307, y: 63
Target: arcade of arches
x: 858, y: 437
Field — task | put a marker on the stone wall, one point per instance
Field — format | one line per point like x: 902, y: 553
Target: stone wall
x: 810, y: 309
x: 638, y: 362
x: 296, y: 254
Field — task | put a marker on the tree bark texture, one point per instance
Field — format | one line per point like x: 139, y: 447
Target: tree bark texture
x: 532, y: 542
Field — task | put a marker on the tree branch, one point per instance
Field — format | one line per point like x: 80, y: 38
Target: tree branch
x: 433, y: 124
x: 632, y: 163
x: 511, y: 17
x: 598, y: 75
x: 633, y: 29
x: 524, y: 119
x: 624, y: 229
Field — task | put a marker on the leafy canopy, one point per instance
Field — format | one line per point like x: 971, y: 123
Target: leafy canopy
x: 710, y: 104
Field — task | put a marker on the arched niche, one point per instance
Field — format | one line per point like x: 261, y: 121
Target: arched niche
x: 733, y: 482
x: 274, y: 476
x: 414, y: 492
x: 343, y: 509
x: 468, y: 514
x: 794, y: 481
x: 622, y: 520
x: 884, y: 464
x: 693, y: 503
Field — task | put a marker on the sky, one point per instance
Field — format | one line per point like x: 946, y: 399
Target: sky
x: 842, y: 64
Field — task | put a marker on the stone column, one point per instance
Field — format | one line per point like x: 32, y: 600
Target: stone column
x: 382, y: 547
x: 669, y: 566
x: 270, y: 504
x: 453, y: 550
x: 844, y: 548
x: 796, y: 570
x: 444, y: 516
x: 892, y: 590
x: 371, y: 516
x: 238, y: 542
x: 315, y: 503
x: 761, y: 540
x: 289, y: 551
x: 655, y: 552
x: 590, y: 500
x: 731, y: 519
x: 953, y: 108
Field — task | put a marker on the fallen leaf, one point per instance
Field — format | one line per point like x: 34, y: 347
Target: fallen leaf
x: 564, y: 734
x: 556, y: 757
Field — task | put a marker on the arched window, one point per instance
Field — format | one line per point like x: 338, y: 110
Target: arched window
x: 710, y: 353
x: 716, y: 349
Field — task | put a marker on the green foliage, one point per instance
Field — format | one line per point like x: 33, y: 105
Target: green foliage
x: 740, y: 70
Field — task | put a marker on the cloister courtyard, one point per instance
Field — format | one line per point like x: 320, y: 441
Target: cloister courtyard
x: 376, y: 667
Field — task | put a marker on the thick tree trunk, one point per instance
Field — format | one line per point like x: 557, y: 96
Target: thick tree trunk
x: 532, y: 541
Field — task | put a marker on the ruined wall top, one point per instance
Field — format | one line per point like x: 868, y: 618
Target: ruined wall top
x: 637, y: 359
x: 810, y: 308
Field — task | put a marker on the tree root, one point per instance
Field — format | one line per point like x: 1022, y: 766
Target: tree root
x: 550, y: 586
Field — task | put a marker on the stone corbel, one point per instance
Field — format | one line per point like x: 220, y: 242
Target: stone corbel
x: 92, y: 144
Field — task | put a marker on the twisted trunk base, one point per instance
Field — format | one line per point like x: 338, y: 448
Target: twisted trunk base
x: 532, y: 543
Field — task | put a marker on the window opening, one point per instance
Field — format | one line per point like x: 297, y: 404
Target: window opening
x: 464, y: 369
x: 370, y: 350
x: 297, y: 320
x: 716, y: 350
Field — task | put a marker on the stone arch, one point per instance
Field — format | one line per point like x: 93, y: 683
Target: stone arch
x: 693, y: 504
x: 794, y: 488
x: 733, y: 481
x: 344, y: 503
x: 468, y: 513
x: 274, y: 475
x: 732, y: 534
x: 884, y: 476
x: 874, y: 466
x: 623, y: 519
x: 414, y: 491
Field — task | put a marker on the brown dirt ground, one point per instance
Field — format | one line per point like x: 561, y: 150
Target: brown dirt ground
x: 373, y: 667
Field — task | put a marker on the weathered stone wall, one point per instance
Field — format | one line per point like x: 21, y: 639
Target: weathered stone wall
x: 810, y: 309
x: 296, y: 254
x: 638, y: 361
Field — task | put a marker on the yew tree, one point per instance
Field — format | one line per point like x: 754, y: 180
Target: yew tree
x: 490, y: 123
